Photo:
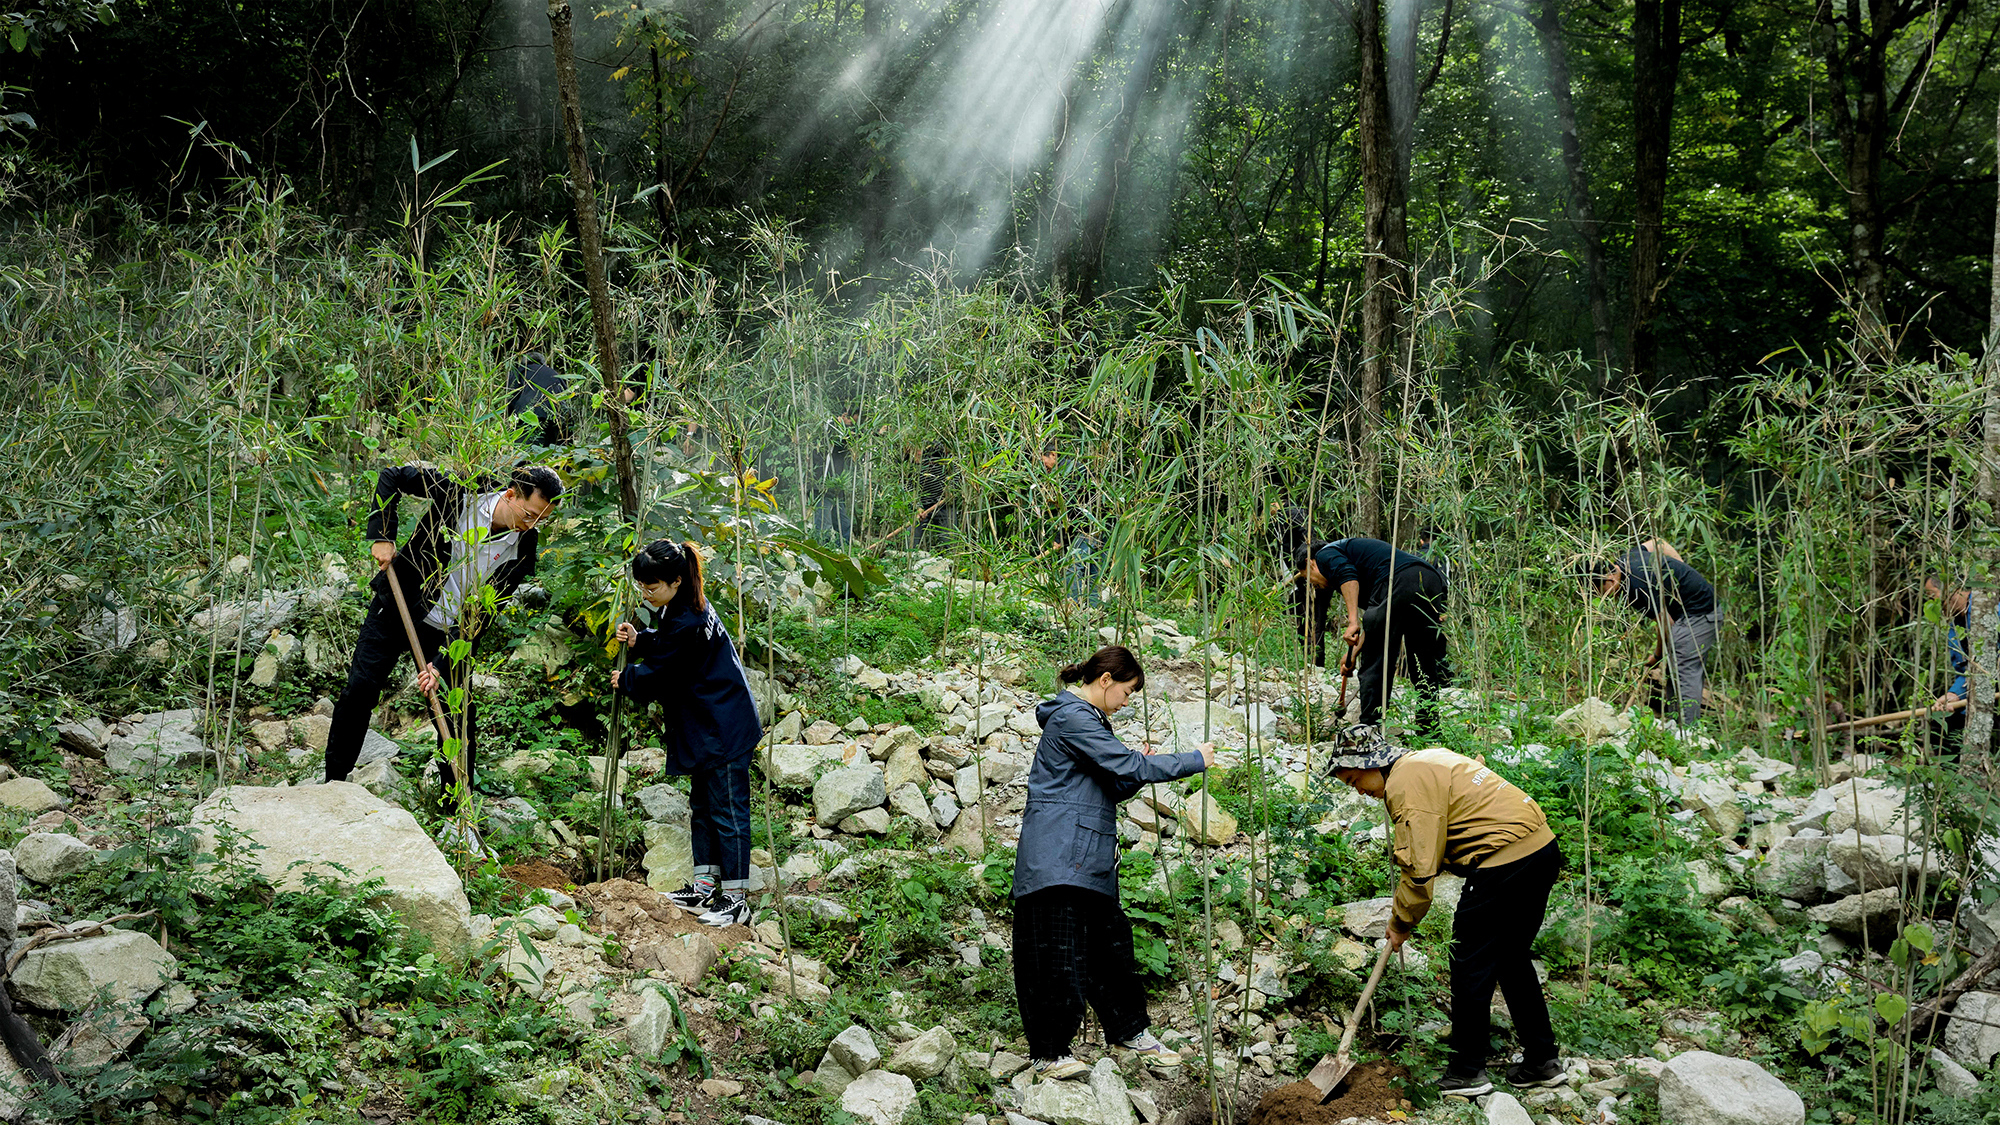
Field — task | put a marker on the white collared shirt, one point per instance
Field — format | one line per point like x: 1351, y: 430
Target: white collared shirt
x: 476, y: 553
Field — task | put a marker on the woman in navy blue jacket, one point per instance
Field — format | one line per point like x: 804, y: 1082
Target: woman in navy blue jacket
x: 687, y: 664
x: 1072, y: 944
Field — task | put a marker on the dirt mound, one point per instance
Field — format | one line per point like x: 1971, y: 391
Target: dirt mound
x: 538, y: 873
x: 1367, y: 1092
x: 649, y: 926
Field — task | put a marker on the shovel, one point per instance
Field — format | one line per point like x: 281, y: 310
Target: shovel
x: 459, y: 765
x: 1346, y: 670
x: 1326, y: 1076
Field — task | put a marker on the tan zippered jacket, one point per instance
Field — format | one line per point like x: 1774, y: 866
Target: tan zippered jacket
x: 1452, y: 813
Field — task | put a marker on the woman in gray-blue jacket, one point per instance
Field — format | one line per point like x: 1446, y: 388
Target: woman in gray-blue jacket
x: 1072, y: 944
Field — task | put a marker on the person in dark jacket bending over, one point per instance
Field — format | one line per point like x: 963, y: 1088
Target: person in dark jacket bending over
x: 1393, y: 598
x: 687, y: 664
x: 1453, y: 814
x: 469, y: 538
x: 1072, y: 944
x: 1657, y: 583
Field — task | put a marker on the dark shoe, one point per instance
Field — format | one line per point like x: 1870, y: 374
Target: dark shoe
x: 1464, y: 1085
x: 1550, y: 1073
x: 692, y: 897
x: 729, y: 908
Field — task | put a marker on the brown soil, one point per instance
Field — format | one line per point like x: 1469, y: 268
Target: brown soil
x: 1366, y: 1092
x: 640, y: 915
x: 539, y: 873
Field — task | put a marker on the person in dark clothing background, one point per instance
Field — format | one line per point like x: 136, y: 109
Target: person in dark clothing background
x: 1393, y: 599
x: 469, y: 538
x: 688, y: 665
x: 1957, y: 607
x: 534, y: 389
x: 1659, y: 585
x: 1072, y: 944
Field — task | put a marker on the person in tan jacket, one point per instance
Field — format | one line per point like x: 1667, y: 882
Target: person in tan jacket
x: 1453, y: 814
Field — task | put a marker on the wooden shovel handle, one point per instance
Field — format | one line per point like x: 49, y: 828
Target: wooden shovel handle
x: 437, y: 709
x: 1367, y: 990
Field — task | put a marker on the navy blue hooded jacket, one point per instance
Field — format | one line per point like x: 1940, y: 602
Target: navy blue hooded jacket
x: 1069, y: 833
x: 688, y: 665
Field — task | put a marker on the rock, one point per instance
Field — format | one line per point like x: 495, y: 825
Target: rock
x: 854, y: 1049
x: 841, y: 793
x: 944, y: 810
x: 1875, y: 911
x: 1974, y: 1043
x: 1113, y: 1107
x: 541, y: 920
x: 594, y: 774
x: 1229, y: 934
x: 1880, y: 861
x: 1593, y: 720
x: 665, y: 804
x: 904, y: 766
x: 824, y: 909
x: 1369, y: 918
x: 685, y: 957
x: 879, y: 1096
x: 719, y: 1088
x: 1502, y: 1109
x: 1205, y: 821
x: 669, y: 858
x: 1000, y: 767
x: 1006, y: 1064
x: 1699, y: 1088
x: 1870, y: 807
x: 1715, y: 800
x: 165, y: 739
x: 83, y: 737
x: 376, y: 747
x: 796, y: 766
x: 28, y: 795
x: 1954, y: 1080
x: 1795, y: 868
x: 523, y: 963
x: 647, y: 1030
x: 821, y: 733
x: 47, y: 856
x: 1809, y: 973
x: 383, y: 780
x: 1709, y: 884
x: 965, y: 785
x: 344, y: 823
x: 925, y: 1056
x: 250, y: 620
x: 830, y: 1076
x: 908, y: 800
x: 9, y: 903
x: 867, y: 822
x: 1063, y: 1103
x: 68, y: 975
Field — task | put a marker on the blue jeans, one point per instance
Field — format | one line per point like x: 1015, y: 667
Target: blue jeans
x: 719, y: 799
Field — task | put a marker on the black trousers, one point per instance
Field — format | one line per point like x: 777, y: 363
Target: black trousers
x: 719, y: 798
x: 381, y: 646
x: 1072, y: 947
x: 1499, y: 914
x: 1410, y: 616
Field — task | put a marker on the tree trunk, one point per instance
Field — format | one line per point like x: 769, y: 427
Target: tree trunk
x: 1547, y: 22
x: 1385, y: 250
x: 1656, y: 64
x: 1856, y: 68
x: 1983, y: 643
x: 583, y: 189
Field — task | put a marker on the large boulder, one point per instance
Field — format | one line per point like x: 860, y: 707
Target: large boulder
x: 1368, y: 918
x: 879, y: 1097
x: 1699, y: 1088
x: 1881, y: 861
x: 1871, y: 914
x: 925, y: 1056
x: 1715, y: 800
x: 669, y: 858
x: 122, y: 965
x: 1205, y: 822
x: 28, y: 795
x: 1867, y: 805
x: 317, y: 826
x: 646, y: 1030
x: 855, y: 1050
x: 162, y: 739
x: 665, y: 804
x: 48, y: 856
x: 797, y: 766
x: 844, y: 792
x: 1795, y: 868
x: 1593, y: 720
x: 1974, y: 1043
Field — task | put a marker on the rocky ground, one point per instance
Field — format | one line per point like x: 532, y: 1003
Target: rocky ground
x: 874, y: 984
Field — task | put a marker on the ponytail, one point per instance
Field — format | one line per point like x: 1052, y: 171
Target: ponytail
x: 664, y: 560
x: 1115, y: 659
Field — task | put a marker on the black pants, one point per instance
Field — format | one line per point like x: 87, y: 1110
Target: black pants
x: 1072, y: 947
x: 381, y: 646
x: 719, y: 800
x: 1411, y: 615
x: 1499, y: 914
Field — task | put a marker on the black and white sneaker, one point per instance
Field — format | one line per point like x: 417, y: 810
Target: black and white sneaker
x: 728, y: 908
x: 1464, y: 1085
x: 691, y: 897
x: 1550, y: 1073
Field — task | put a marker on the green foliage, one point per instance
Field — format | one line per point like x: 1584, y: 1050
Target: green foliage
x: 1666, y: 933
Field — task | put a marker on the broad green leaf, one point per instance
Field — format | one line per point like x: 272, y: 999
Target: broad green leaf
x: 1891, y: 1006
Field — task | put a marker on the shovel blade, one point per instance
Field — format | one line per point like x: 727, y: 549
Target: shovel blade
x: 1327, y: 1075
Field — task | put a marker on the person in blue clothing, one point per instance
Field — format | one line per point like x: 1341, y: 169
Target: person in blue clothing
x: 1957, y: 606
x: 1394, y: 599
x: 1072, y: 943
x: 687, y: 664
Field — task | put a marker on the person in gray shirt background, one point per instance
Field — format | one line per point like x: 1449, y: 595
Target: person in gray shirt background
x: 1658, y: 584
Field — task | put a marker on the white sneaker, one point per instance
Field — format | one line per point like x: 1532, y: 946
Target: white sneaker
x: 1149, y: 1048
x: 728, y: 908
x: 1056, y: 1070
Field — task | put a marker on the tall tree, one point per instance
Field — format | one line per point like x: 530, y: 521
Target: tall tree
x: 1385, y: 248
x: 1546, y: 18
x: 1656, y: 68
x: 1984, y: 643
x: 1855, y: 41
